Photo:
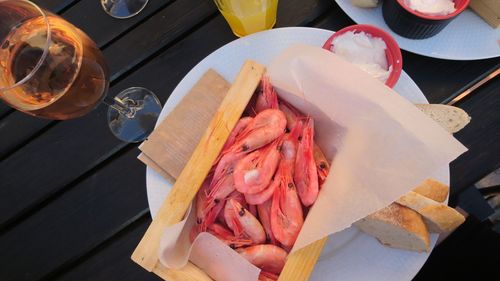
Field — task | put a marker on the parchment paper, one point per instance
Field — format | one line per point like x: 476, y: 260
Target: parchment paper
x: 381, y: 146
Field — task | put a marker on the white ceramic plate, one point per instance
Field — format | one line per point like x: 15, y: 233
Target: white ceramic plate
x: 349, y: 255
x: 467, y: 37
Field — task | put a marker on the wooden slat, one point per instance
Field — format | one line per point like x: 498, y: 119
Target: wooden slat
x: 75, y: 222
x: 55, y: 6
x: 124, y: 54
x: 89, y: 16
x: 481, y: 136
x: 140, y: 43
x: 112, y: 262
x: 299, y: 265
x: 17, y: 128
x: 203, y: 157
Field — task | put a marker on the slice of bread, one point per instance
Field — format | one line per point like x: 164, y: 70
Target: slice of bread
x: 365, y: 3
x: 437, y: 216
x: 433, y: 189
x: 451, y: 118
x: 398, y: 227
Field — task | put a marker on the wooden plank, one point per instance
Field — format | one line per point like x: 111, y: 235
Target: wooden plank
x: 141, y: 43
x: 75, y: 222
x: 89, y: 16
x: 121, y: 56
x: 55, y: 6
x: 112, y: 262
x: 14, y: 134
x: 300, y: 265
x: 481, y: 136
x: 203, y: 157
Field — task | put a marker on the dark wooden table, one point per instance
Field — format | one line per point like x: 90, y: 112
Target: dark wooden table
x: 73, y: 198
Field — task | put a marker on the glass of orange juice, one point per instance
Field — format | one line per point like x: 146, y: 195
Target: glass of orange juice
x: 248, y: 16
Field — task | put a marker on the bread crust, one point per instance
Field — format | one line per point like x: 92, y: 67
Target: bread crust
x: 438, y: 217
x: 397, y: 226
x: 433, y: 189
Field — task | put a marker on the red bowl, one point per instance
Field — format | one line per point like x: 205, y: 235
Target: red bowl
x: 392, y: 52
x: 460, y: 6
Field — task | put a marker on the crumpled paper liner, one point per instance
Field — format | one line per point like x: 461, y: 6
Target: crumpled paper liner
x: 381, y: 146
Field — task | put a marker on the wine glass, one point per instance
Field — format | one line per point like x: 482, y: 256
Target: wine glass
x: 122, y: 9
x: 51, y: 69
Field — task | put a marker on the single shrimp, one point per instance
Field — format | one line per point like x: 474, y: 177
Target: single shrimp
x: 286, y: 211
x: 240, y: 126
x: 226, y: 236
x: 253, y: 172
x: 265, y: 127
x: 264, y: 210
x: 201, y: 199
x: 267, y: 257
x: 267, y: 97
x: 267, y: 276
x: 218, y: 212
x: 322, y: 165
x: 210, y: 216
x: 290, y: 145
x: 306, y: 174
x: 243, y: 223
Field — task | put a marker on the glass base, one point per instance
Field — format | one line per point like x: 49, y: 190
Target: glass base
x: 122, y: 9
x: 135, y: 124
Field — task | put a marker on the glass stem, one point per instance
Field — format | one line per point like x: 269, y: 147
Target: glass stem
x: 125, y: 107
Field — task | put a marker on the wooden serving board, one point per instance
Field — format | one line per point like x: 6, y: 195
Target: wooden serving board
x: 299, y: 265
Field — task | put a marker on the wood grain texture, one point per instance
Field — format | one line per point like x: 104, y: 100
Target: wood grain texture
x: 89, y: 16
x: 55, y: 6
x: 75, y: 222
x: 111, y: 262
x: 300, y: 265
x: 189, y: 181
x: 481, y: 137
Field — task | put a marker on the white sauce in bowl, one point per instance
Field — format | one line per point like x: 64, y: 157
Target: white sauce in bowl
x: 432, y: 7
x: 365, y: 51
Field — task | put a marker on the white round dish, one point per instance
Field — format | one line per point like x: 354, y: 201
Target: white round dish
x: 350, y: 254
x: 467, y: 37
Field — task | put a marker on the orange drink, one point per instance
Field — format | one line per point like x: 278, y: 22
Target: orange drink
x: 248, y: 16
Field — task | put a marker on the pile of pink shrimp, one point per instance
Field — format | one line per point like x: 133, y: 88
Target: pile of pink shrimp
x: 263, y: 182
